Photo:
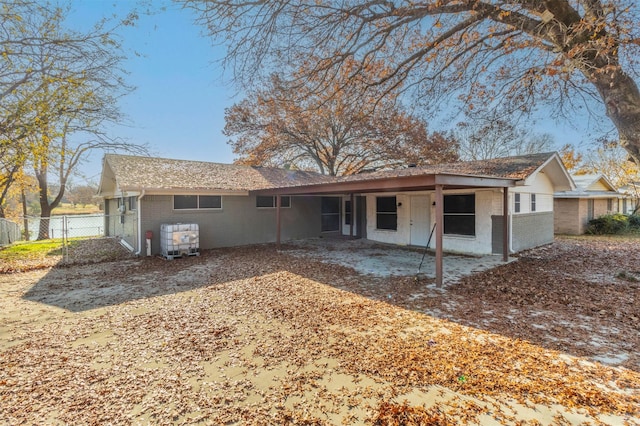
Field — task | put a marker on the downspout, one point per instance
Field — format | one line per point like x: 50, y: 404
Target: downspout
x: 140, y: 222
x: 511, y: 194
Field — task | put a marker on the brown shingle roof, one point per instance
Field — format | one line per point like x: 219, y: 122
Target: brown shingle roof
x: 519, y: 167
x: 134, y: 172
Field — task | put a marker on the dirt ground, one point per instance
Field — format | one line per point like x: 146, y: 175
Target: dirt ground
x: 255, y: 336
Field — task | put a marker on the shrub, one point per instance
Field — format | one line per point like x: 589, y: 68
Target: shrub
x: 634, y: 222
x: 608, y: 224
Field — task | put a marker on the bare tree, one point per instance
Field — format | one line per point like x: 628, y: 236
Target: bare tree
x: 488, y: 54
x: 346, y: 133
x: 58, y: 88
x: 498, y: 138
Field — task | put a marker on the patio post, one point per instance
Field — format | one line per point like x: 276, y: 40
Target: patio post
x: 352, y: 215
x: 439, y: 231
x: 505, y: 224
x: 278, y: 225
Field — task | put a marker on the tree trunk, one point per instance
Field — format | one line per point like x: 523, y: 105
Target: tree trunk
x: 24, y: 216
x: 45, y: 219
x: 622, y: 100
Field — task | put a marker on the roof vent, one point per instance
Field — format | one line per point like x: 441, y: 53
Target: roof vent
x: 412, y: 165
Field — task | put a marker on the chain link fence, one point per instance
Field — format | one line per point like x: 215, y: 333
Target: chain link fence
x: 9, y: 232
x: 122, y: 226
x: 67, y: 226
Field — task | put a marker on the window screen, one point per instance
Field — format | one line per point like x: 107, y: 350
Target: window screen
x: 210, y: 202
x: 263, y: 201
x: 184, y: 202
x: 533, y: 202
x: 181, y: 202
x: 330, y: 212
x: 460, y: 214
x: 386, y: 213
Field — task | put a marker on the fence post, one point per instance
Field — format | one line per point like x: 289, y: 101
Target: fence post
x: 65, y: 237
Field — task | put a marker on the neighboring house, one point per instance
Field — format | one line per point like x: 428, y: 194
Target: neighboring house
x: 630, y: 201
x: 593, y: 196
x: 236, y: 205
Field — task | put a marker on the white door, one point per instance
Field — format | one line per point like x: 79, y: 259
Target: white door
x: 420, y: 220
x: 348, y: 215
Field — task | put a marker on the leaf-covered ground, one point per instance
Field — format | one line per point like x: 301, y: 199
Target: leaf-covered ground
x: 28, y: 256
x: 253, y: 336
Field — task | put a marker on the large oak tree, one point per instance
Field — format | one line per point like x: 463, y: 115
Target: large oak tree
x: 345, y: 133
x: 488, y: 54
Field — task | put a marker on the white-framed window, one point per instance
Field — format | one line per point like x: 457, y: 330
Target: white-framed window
x: 609, y: 204
x: 516, y: 202
x: 133, y: 203
x: 269, y: 202
x: 460, y: 214
x: 197, y: 202
x: 533, y: 202
x: 386, y: 213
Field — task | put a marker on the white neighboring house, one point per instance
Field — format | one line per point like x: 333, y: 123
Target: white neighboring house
x: 630, y: 198
x: 593, y: 196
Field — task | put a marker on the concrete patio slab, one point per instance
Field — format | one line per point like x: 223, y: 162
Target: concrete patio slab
x: 386, y: 260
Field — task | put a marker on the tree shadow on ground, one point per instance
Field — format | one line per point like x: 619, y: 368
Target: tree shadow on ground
x: 552, y: 297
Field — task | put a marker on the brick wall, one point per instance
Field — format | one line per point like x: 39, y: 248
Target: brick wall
x: 528, y: 230
x: 567, y: 216
x: 531, y: 230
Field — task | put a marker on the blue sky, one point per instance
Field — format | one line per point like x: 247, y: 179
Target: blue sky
x: 180, y: 97
x: 178, y: 106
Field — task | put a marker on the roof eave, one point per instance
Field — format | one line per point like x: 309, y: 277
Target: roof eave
x: 392, y: 184
x: 567, y: 185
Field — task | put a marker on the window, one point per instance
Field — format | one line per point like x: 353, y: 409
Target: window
x: 460, y: 214
x: 609, y: 204
x: 516, y: 201
x: 330, y: 213
x: 347, y: 212
x: 209, y: 202
x: 386, y: 213
x: 194, y: 202
x: 533, y: 202
x: 133, y: 203
x: 590, y: 209
x: 263, y: 201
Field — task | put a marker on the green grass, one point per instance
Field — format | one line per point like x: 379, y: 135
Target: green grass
x: 33, y: 249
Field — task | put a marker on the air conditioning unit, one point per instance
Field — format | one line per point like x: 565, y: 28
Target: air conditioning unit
x: 179, y: 240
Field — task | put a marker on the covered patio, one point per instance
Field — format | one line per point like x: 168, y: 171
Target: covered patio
x: 381, y: 260
x: 407, y: 181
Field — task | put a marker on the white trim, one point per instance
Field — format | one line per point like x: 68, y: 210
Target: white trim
x: 139, y: 230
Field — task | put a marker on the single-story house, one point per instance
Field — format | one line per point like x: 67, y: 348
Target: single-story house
x: 593, y: 196
x: 238, y: 205
x: 630, y: 201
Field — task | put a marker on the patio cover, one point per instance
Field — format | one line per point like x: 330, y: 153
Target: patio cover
x: 361, y: 184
